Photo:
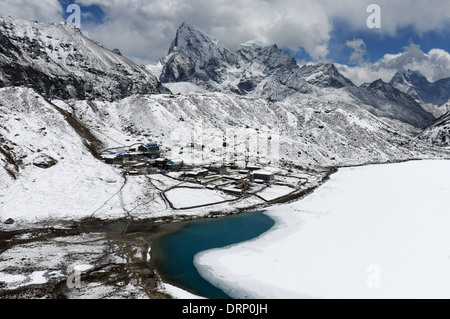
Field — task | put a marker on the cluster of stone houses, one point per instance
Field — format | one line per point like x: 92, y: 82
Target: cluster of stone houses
x: 147, y: 159
x: 140, y: 159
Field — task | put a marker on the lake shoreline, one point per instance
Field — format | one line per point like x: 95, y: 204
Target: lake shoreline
x: 121, y: 232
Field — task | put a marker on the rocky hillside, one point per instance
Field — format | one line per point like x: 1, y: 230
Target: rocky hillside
x: 435, y: 96
x: 417, y: 85
x: 438, y: 133
x: 324, y: 75
x: 255, y: 69
x: 384, y: 100
x: 59, y: 62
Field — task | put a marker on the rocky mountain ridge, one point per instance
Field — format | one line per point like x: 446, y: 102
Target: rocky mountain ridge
x: 435, y: 96
x: 60, y: 62
x: 265, y: 71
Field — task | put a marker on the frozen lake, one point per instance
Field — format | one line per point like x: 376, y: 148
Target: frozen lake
x: 378, y: 231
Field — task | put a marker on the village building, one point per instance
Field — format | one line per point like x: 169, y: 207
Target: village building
x: 232, y: 190
x: 262, y: 176
x: 217, y: 168
x: 151, y: 150
x: 231, y: 165
x: 240, y: 183
x: 120, y: 156
x: 115, y: 158
x: 160, y: 162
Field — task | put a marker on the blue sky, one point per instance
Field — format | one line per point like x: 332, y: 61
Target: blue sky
x: 379, y: 43
x: 413, y: 33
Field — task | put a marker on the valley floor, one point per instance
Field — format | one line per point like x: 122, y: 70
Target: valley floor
x: 377, y: 231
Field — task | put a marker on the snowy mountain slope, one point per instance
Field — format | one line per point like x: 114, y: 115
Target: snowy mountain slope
x: 378, y: 97
x: 435, y: 96
x: 324, y: 75
x: 184, y: 88
x: 35, y: 133
x: 386, y: 101
x: 265, y: 71
x: 52, y: 126
x: 439, y: 132
x: 205, y: 127
x: 48, y: 169
x: 48, y: 164
x: 58, y: 61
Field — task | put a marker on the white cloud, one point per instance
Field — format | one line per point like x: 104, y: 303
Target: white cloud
x: 42, y: 10
x: 365, y: 73
x: 359, y: 51
x: 422, y: 16
x: 146, y: 28
x: 434, y: 65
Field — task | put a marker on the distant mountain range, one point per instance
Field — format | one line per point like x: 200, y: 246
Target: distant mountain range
x: 266, y: 71
x: 433, y: 95
x: 255, y: 69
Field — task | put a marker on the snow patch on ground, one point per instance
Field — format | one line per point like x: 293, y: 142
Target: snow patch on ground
x: 275, y: 191
x: 178, y: 293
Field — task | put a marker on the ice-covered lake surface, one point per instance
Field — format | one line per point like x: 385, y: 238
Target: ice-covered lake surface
x: 378, y: 231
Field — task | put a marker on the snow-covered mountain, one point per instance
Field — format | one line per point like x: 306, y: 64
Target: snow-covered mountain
x: 255, y: 69
x: 59, y: 61
x: 384, y: 100
x: 435, y: 96
x: 321, y: 118
x: 324, y: 75
x: 265, y: 71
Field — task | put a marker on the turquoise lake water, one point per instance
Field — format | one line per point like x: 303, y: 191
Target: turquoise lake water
x: 174, y: 253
